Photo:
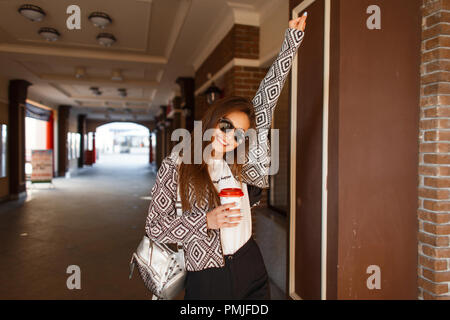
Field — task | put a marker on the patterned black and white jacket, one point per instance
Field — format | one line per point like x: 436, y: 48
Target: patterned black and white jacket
x: 202, y: 246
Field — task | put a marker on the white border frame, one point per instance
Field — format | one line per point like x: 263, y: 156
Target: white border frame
x: 326, y: 81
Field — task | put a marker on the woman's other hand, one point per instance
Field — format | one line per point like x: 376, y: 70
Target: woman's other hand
x: 220, y: 217
x: 299, y: 23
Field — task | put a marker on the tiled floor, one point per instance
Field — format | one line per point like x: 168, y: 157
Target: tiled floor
x: 93, y: 220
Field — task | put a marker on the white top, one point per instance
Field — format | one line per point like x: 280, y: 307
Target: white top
x: 235, y: 237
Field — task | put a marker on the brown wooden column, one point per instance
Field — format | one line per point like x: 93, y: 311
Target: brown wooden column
x: 63, y: 127
x: 372, y: 153
x: 16, y: 137
x: 150, y: 147
x: 81, y: 131
x: 163, y: 132
x: 159, y: 149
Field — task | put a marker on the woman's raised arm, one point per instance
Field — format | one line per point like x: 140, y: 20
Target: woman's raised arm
x: 270, y: 87
x: 256, y: 169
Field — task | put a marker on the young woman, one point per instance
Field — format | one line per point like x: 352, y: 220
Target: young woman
x: 221, y: 258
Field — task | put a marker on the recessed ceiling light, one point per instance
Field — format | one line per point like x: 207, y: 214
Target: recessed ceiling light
x: 116, y: 75
x: 99, y: 19
x: 32, y: 12
x: 80, y: 72
x: 106, y: 39
x: 49, y: 34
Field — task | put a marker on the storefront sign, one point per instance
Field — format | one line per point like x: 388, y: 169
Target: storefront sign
x: 42, y: 163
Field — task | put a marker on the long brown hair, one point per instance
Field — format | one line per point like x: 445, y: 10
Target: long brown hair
x: 194, y: 181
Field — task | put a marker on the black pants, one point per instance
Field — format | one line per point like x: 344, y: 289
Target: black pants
x: 244, y: 276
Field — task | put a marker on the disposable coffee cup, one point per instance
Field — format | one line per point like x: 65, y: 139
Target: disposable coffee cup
x: 232, y: 195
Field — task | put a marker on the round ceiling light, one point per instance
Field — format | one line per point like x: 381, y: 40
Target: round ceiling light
x: 80, y: 72
x: 116, y: 75
x: 49, y: 34
x: 99, y: 19
x: 32, y: 12
x: 106, y: 39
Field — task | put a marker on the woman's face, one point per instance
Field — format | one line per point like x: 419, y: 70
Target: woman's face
x: 225, y: 142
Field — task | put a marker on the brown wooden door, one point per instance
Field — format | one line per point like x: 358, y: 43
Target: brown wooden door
x: 308, y: 159
x: 371, y: 158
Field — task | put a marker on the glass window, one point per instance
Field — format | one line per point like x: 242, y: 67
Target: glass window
x: 3, y: 150
x: 69, y: 145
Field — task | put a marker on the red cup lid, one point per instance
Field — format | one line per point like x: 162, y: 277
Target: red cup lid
x: 231, y: 192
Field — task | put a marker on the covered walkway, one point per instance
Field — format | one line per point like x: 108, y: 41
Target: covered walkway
x: 94, y: 220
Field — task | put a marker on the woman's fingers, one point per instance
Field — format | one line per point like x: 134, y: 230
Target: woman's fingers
x: 229, y: 225
x: 234, y: 219
x: 225, y: 206
x: 294, y: 23
x: 233, y: 212
x: 225, y: 222
x: 298, y: 23
x: 229, y: 212
x: 302, y: 23
x: 229, y: 219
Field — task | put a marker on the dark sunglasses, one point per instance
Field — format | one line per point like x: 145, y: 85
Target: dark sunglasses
x: 225, y: 125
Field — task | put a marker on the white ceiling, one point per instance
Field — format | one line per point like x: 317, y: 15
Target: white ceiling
x: 157, y: 41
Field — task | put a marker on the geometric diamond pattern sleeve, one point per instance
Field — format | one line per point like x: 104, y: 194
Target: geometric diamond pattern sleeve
x: 256, y: 168
x: 163, y: 225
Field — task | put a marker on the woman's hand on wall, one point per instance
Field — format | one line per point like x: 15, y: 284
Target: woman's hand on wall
x: 299, y: 23
x: 219, y: 217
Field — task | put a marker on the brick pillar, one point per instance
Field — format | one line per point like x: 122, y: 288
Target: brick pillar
x: 434, y: 158
x: 188, y: 102
x: 243, y: 81
x: 242, y: 42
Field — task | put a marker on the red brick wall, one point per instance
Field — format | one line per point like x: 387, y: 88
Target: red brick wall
x: 200, y: 107
x: 246, y: 41
x: 243, y: 81
x: 434, y: 156
x: 222, y: 54
x: 241, y: 42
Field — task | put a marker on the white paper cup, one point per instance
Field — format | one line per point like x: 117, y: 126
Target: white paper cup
x: 232, y: 195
